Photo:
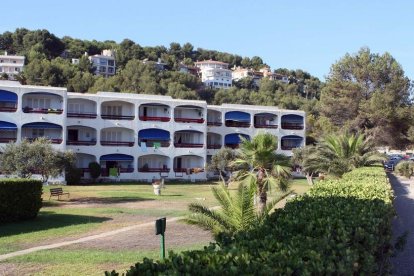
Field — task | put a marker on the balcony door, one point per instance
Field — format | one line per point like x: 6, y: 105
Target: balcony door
x: 73, y: 135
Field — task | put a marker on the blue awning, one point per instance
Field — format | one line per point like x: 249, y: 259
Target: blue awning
x: 154, y: 133
x: 292, y: 137
x: 44, y: 93
x: 292, y: 118
x: 116, y: 157
x: 234, y: 138
x: 7, y: 96
x: 238, y: 116
x: 7, y: 126
x: 42, y: 125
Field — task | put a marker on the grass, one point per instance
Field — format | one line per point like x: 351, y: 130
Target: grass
x: 99, y: 208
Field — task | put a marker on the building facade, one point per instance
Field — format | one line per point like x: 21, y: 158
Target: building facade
x: 11, y: 65
x: 139, y: 137
x: 215, y: 74
x: 104, y: 64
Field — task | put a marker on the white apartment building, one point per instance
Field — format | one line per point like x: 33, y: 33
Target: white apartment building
x: 104, y: 64
x: 11, y: 65
x: 215, y: 73
x: 145, y: 137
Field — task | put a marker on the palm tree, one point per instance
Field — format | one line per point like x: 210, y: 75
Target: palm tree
x: 235, y: 213
x: 338, y: 154
x: 262, y: 167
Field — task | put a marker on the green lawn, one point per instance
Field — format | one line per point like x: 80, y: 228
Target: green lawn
x: 100, y: 208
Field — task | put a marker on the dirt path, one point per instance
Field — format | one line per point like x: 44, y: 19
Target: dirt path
x: 403, y: 263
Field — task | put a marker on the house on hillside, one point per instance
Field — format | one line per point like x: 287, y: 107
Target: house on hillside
x: 215, y: 74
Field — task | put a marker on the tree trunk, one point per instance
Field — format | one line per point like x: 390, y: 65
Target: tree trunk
x: 309, y: 178
x: 262, y: 191
x: 262, y: 201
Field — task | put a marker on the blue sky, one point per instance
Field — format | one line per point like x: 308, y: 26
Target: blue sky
x: 308, y: 35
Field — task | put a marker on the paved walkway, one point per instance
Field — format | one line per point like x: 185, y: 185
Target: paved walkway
x: 403, y: 263
x: 84, y: 239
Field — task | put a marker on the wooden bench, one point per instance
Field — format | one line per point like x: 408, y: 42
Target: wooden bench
x: 57, y: 192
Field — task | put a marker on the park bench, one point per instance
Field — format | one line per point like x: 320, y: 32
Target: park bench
x: 57, y: 192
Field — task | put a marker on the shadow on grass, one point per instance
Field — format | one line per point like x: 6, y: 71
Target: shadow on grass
x: 47, y: 221
x: 107, y: 200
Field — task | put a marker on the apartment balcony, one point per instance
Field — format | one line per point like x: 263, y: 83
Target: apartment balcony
x: 188, y: 139
x: 81, y: 108
x: 8, y: 101
x: 290, y: 142
x: 42, y: 103
x: 117, y: 137
x: 8, y: 132
x: 116, y: 164
x: 154, y: 112
x: 117, y: 110
x: 213, y: 140
x: 188, y: 164
x: 214, y: 118
x: 292, y: 121
x: 153, y: 137
x: 265, y: 120
x: 81, y: 136
x: 233, y: 140
x: 83, y: 160
x: 153, y: 163
x: 237, y: 119
x: 32, y: 131
x: 188, y: 114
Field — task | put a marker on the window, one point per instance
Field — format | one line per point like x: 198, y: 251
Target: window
x: 38, y: 132
x: 38, y: 103
x: 111, y: 63
x: 76, y: 108
x: 103, y: 61
x: 17, y: 69
x: 14, y: 61
x: 110, y: 70
x: 114, y: 110
x: 112, y: 136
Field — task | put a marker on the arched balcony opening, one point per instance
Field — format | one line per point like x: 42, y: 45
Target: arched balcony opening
x: 42, y: 102
x: 214, y: 118
x: 8, y: 132
x: 83, y: 160
x: 81, y: 136
x: 8, y: 101
x: 81, y: 108
x: 154, y: 112
x: 237, y: 119
x: 117, y: 137
x: 188, y: 164
x: 265, y: 120
x: 213, y: 140
x: 188, y: 114
x: 292, y: 121
x: 188, y: 139
x: 153, y: 137
x: 153, y: 163
x: 117, y: 110
x: 233, y: 140
x: 32, y: 131
x: 290, y: 142
x: 116, y: 164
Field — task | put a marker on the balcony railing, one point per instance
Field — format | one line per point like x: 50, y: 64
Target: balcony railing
x: 292, y: 125
x: 189, y: 120
x: 214, y: 146
x: 116, y: 117
x: 154, y: 170
x: 187, y: 145
x: 214, y: 123
x: 42, y: 110
x: 126, y: 170
x: 7, y: 140
x: 117, y: 143
x: 189, y: 170
x: 81, y: 115
x: 163, y: 144
x: 233, y: 146
x: 81, y: 143
x: 8, y: 109
x: 289, y: 147
x: 52, y: 140
x: 265, y: 126
x: 152, y: 118
x: 237, y: 124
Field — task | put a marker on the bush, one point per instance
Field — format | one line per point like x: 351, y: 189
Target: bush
x: 340, y: 226
x: 73, y: 175
x: 94, y: 170
x: 20, y: 199
x: 405, y: 168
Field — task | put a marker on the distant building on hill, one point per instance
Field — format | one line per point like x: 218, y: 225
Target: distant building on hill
x: 104, y: 64
x: 215, y: 74
x: 267, y: 73
x: 239, y: 73
x: 189, y: 69
x: 11, y: 65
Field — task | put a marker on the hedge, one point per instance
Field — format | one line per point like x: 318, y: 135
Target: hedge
x: 20, y: 199
x: 340, y: 227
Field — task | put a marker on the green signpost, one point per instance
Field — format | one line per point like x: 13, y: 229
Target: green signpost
x: 160, y: 225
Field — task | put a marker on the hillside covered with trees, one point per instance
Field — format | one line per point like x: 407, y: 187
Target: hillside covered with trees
x: 366, y: 92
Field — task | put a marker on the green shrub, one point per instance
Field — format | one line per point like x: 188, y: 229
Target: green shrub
x: 20, y: 199
x: 73, y: 175
x: 405, y: 168
x: 94, y: 170
x: 340, y: 227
